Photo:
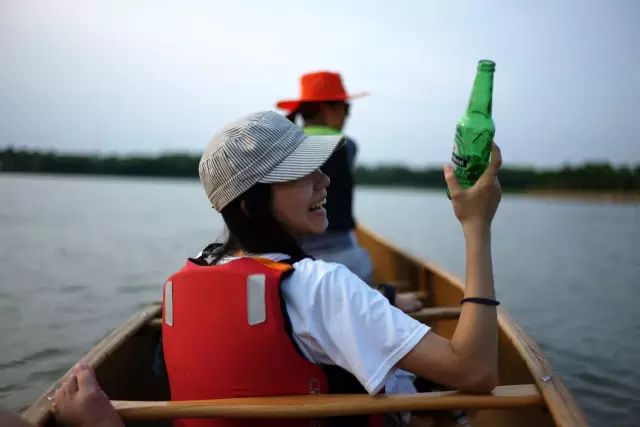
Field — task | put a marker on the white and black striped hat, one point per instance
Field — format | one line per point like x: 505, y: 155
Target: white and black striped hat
x: 260, y: 147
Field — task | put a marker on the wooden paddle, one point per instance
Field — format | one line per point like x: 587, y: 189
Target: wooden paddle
x: 328, y: 405
x: 424, y: 315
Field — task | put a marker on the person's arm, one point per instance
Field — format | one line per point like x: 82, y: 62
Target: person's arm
x: 337, y: 319
x: 469, y: 361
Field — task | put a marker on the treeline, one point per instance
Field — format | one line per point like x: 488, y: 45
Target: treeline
x: 172, y: 165
x: 587, y: 177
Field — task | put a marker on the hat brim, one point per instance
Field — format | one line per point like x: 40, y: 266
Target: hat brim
x: 291, y: 105
x: 313, y: 152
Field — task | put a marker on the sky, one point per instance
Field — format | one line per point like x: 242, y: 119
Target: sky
x: 146, y: 77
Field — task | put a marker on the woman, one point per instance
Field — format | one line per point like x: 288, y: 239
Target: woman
x: 257, y: 316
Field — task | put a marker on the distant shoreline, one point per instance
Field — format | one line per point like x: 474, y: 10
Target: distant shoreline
x: 595, y: 196
x: 603, y: 196
x: 587, y: 195
x: 589, y: 181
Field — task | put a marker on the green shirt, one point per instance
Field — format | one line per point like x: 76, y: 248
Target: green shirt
x: 321, y: 130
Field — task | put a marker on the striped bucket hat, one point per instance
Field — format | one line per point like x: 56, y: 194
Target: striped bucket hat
x: 261, y: 147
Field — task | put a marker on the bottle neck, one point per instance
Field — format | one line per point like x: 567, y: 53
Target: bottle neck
x: 482, y: 93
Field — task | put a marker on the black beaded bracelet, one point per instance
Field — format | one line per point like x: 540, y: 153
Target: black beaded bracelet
x: 483, y: 301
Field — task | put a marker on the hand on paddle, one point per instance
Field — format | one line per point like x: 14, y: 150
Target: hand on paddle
x: 476, y: 205
x: 80, y: 402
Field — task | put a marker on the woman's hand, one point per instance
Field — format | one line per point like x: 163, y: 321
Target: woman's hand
x: 476, y: 205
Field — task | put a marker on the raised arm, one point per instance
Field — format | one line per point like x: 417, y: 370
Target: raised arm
x: 469, y: 361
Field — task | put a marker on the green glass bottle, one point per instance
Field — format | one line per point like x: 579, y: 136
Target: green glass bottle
x: 475, y: 130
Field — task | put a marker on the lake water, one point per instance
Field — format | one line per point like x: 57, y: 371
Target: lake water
x: 78, y: 255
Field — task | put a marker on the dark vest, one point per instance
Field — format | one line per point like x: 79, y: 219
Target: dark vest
x: 339, y: 168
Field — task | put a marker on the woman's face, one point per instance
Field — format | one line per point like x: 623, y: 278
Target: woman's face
x: 299, y: 205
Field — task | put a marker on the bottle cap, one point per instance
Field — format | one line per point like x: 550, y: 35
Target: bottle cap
x: 486, y: 65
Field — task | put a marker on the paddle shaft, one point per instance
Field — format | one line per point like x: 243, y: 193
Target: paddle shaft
x: 328, y: 405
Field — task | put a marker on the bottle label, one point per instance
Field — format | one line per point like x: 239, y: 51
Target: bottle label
x: 459, y: 161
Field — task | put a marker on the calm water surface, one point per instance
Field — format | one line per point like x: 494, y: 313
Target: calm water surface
x: 78, y: 255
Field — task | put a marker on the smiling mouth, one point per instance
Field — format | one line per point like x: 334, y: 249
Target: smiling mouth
x: 319, y: 205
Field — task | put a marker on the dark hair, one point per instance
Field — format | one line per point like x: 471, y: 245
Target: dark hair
x: 311, y: 110
x: 292, y: 116
x: 256, y: 231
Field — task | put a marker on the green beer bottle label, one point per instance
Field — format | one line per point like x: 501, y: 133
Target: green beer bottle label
x: 475, y: 130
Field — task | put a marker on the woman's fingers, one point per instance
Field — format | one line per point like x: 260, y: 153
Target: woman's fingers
x: 56, y: 396
x: 86, y: 378
x: 452, y: 182
x: 496, y: 158
x: 491, y: 172
x: 70, y: 385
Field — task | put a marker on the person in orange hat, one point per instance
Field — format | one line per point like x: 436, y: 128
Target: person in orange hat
x: 323, y: 107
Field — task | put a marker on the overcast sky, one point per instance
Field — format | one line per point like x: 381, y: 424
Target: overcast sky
x: 153, y: 76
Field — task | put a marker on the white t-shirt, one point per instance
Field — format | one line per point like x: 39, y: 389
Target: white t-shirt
x: 338, y: 319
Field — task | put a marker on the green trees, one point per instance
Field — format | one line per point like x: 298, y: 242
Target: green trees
x: 176, y: 165
x: 592, y: 177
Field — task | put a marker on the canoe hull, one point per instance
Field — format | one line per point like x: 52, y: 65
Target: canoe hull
x: 123, y: 360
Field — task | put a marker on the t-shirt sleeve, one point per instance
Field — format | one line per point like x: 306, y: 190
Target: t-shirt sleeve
x: 338, y: 319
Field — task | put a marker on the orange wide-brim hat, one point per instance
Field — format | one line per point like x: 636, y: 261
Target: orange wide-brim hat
x: 320, y: 86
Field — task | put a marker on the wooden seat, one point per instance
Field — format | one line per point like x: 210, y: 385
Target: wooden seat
x: 329, y: 405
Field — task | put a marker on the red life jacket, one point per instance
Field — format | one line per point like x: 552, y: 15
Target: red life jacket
x: 224, y: 335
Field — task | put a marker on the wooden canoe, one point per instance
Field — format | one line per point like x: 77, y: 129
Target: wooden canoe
x: 530, y: 392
